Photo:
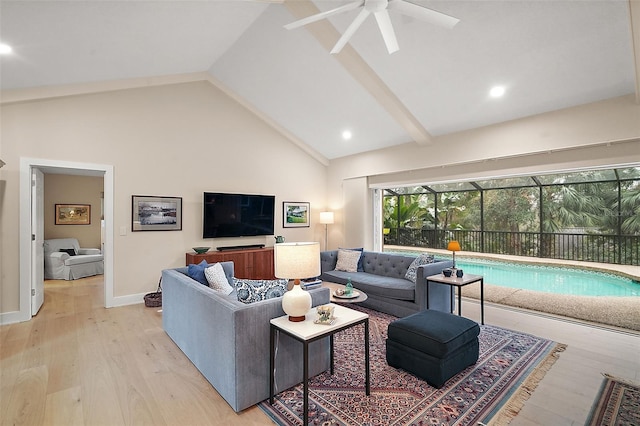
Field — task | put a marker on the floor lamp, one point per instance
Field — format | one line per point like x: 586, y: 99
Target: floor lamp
x: 326, y: 218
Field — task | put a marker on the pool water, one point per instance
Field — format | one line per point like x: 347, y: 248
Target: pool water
x: 550, y: 279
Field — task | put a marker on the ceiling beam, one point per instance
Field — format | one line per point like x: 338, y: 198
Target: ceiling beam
x: 353, y: 63
x: 634, y: 14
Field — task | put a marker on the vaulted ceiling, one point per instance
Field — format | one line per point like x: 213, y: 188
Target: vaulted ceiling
x: 548, y: 55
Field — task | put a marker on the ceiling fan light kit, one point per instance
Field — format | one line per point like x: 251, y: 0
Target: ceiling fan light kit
x: 379, y: 9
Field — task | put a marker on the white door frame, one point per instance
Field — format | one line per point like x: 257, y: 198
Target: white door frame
x: 26, y: 164
x: 37, y: 240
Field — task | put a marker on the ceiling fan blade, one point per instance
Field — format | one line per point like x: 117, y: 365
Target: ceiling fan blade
x: 384, y: 23
x: 422, y: 13
x: 350, y: 31
x: 323, y: 15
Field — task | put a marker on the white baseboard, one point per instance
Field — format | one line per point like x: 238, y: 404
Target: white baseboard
x: 131, y: 299
x: 12, y: 317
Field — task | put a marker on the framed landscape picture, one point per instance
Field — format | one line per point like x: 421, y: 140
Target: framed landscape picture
x: 151, y: 213
x: 295, y: 215
x: 73, y: 214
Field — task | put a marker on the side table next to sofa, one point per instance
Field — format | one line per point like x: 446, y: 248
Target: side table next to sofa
x: 306, y: 332
x: 454, y: 281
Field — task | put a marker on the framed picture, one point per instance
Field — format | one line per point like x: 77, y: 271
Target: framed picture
x: 150, y: 213
x: 295, y: 215
x: 73, y: 214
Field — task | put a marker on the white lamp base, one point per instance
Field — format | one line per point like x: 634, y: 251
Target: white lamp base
x: 296, y: 302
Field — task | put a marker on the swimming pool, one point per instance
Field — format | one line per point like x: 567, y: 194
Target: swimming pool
x: 550, y: 279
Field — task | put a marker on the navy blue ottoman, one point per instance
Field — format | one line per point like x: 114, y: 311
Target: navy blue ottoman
x: 433, y: 345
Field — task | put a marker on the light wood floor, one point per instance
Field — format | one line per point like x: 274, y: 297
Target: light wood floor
x: 77, y: 363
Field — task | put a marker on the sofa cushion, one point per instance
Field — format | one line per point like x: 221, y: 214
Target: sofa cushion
x: 79, y: 260
x: 69, y: 251
x: 386, y: 264
x: 348, y: 260
x: 423, y: 259
x: 250, y: 291
x: 371, y: 284
x: 196, y: 272
x: 217, y: 279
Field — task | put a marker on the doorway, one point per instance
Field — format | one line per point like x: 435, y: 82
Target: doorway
x: 27, y: 259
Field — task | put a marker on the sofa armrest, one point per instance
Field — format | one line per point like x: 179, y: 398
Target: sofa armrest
x: 88, y: 251
x: 439, y: 294
x: 58, y: 257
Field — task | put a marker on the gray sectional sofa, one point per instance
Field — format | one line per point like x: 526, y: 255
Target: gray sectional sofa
x: 228, y: 341
x: 382, y: 278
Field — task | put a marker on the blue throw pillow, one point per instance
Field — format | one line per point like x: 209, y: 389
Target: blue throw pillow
x: 360, y: 267
x: 196, y: 272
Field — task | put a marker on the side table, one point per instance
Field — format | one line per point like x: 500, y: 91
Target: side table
x: 306, y: 332
x: 454, y: 281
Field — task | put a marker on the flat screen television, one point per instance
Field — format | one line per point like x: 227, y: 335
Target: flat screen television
x: 237, y: 215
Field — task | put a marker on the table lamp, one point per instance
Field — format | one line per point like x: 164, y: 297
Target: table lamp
x: 454, y: 246
x: 296, y: 261
x: 326, y: 218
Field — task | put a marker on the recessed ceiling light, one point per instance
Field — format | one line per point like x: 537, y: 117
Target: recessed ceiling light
x: 5, y: 49
x: 346, y: 135
x: 497, y: 91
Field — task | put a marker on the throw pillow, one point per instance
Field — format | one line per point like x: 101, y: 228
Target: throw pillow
x: 217, y: 279
x: 347, y: 260
x: 70, y: 252
x: 360, y: 260
x: 196, y: 272
x: 250, y: 291
x: 412, y: 271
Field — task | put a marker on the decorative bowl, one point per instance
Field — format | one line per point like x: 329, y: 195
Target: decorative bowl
x: 201, y: 250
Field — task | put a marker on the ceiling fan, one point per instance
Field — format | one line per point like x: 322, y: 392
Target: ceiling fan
x: 379, y: 9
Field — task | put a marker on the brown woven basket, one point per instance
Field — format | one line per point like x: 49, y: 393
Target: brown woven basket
x: 154, y: 300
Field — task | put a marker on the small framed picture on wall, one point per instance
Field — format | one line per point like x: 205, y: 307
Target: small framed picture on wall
x: 295, y: 214
x: 73, y: 214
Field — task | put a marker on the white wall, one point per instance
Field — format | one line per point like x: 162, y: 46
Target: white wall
x: 600, y: 134
x: 174, y: 140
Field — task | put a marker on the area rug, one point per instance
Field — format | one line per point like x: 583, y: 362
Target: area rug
x: 509, y: 368
x: 618, y: 403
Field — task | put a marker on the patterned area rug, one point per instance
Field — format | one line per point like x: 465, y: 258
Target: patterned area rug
x: 509, y: 368
x: 618, y: 403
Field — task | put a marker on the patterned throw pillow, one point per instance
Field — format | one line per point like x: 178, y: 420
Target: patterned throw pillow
x: 348, y: 260
x: 217, y: 279
x: 250, y: 291
x: 412, y: 271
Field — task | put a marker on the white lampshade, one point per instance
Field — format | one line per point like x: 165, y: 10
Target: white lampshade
x: 326, y: 218
x: 296, y: 261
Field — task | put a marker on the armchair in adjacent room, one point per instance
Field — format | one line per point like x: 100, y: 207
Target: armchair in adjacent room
x: 64, y: 259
